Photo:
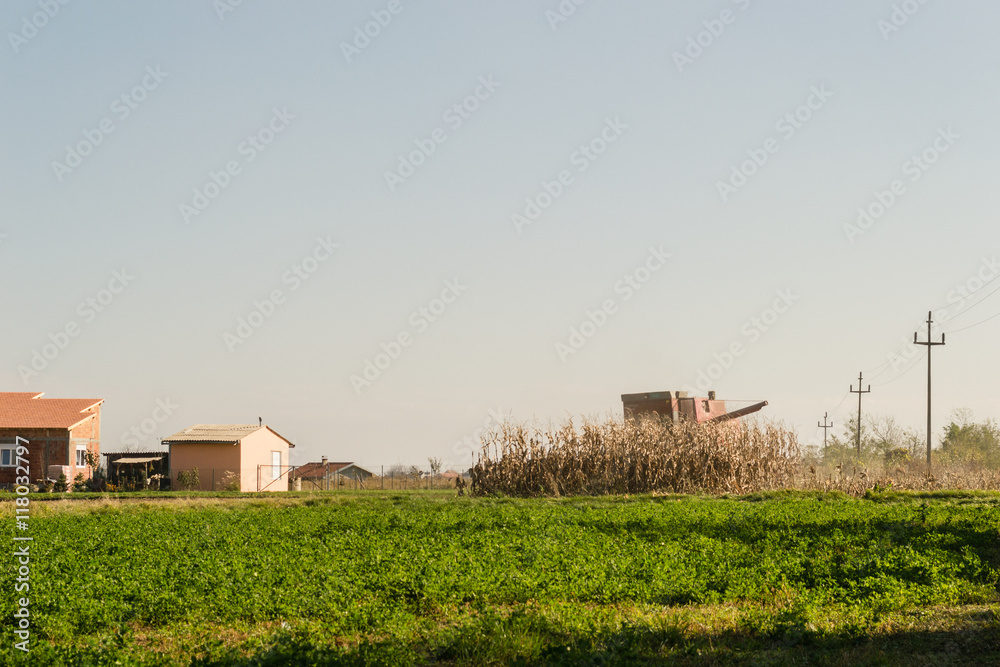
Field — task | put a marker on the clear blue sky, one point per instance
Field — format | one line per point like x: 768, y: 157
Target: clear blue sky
x: 198, y: 82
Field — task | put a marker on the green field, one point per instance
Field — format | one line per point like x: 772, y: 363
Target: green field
x: 424, y: 578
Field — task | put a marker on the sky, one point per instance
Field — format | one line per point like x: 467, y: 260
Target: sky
x: 381, y: 226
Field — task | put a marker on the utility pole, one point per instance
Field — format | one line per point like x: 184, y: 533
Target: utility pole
x: 930, y: 344
x: 859, y: 392
x: 825, y: 427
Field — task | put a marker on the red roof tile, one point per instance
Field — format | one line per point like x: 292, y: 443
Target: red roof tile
x: 26, y: 409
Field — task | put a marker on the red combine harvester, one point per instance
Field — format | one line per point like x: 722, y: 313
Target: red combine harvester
x: 677, y: 405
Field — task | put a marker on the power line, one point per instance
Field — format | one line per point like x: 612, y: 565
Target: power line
x: 969, y: 309
x: 883, y: 367
x: 892, y: 358
x: 976, y: 324
x: 889, y: 367
x: 841, y: 403
x: 973, y: 293
x: 903, y: 373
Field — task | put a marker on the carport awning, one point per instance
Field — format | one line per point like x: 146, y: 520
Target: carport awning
x: 136, y: 459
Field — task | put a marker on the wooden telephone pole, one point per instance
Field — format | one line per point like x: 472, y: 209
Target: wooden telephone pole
x: 929, y: 344
x: 859, y: 392
x: 825, y: 427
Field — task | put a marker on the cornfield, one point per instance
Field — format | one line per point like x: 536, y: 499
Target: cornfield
x: 635, y: 456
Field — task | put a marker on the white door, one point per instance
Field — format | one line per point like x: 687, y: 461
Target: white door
x: 275, y: 465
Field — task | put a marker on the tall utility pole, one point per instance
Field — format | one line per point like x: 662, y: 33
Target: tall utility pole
x: 930, y: 344
x: 859, y: 392
x: 824, y: 426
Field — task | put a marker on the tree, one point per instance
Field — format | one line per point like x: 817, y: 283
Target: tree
x: 435, y: 464
x: 843, y: 448
x: 79, y: 483
x: 967, y: 442
x: 98, y: 478
x: 881, y: 438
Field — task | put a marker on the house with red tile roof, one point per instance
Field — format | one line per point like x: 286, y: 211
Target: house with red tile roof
x: 63, y: 436
x: 324, y: 469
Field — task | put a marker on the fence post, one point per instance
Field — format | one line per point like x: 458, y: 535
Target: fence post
x: 381, y: 478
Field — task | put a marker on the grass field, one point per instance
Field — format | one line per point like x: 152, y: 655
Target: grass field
x: 418, y: 578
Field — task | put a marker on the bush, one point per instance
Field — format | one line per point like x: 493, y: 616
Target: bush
x: 62, y: 484
x: 188, y: 480
x: 231, y: 481
x: 897, y: 456
x: 79, y: 483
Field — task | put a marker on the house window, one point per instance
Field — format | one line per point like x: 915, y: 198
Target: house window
x: 275, y: 465
x: 7, y: 457
x: 81, y: 456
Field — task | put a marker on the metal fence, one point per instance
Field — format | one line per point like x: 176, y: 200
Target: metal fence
x: 309, y: 477
x: 209, y: 479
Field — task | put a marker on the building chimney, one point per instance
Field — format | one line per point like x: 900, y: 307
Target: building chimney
x: 711, y: 395
x: 322, y: 461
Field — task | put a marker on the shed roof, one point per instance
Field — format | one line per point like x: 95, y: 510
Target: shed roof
x: 218, y: 434
x: 27, y: 409
x: 138, y: 459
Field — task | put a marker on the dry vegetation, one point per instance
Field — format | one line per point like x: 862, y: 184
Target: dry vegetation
x: 653, y: 455
x: 635, y: 456
x: 857, y: 477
